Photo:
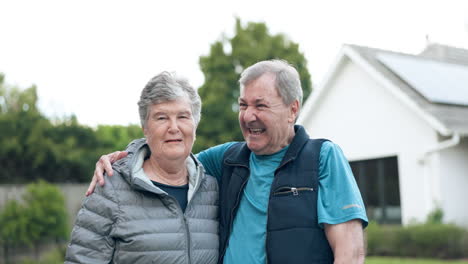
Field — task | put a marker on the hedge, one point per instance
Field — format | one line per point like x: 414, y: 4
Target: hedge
x: 428, y: 240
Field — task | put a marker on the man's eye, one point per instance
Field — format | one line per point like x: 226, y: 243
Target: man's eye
x: 184, y: 116
x: 261, y: 106
x: 161, y: 118
x: 242, y: 106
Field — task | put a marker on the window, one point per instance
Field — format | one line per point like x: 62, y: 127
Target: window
x: 379, y: 184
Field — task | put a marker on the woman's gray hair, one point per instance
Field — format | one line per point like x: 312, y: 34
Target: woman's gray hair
x: 166, y: 87
x: 288, y: 83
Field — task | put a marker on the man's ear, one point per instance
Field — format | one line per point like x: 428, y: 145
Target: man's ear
x: 293, y: 111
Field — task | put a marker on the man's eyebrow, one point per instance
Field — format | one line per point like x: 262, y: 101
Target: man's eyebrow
x: 259, y: 100
x: 158, y: 113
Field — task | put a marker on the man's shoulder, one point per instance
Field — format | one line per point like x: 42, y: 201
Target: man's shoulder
x: 328, y: 146
x: 333, y: 160
x: 331, y: 148
x: 212, y: 159
x: 217, y: 151
x: 320, y: 145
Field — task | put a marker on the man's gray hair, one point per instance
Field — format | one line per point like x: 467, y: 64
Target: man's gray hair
x: 166, y: 87
x: 288, y: 83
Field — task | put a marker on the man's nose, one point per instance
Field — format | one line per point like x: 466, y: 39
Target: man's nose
x: 250, y: 114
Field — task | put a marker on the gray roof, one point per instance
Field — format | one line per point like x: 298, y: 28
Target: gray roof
x: 445, y: 54
x: 453, y: 117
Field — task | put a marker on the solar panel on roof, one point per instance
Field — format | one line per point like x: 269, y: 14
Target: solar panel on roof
x: 438, y: 82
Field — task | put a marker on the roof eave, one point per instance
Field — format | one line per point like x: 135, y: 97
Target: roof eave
x: 312, y: 102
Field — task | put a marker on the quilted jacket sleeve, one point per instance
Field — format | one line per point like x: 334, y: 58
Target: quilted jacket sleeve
x: 91, y: 240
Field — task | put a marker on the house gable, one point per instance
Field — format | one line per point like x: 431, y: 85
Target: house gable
x: 381, y: 75
x: 364, y: 117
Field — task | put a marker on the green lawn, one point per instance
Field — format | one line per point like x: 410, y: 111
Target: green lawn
x: 389, y: 260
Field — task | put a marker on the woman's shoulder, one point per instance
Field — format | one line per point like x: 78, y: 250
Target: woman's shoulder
x: 210, y: 179
x: 209, y: 183
x: 112, y: 186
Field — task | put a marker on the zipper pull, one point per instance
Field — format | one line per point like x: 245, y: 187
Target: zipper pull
x: 294, y: 191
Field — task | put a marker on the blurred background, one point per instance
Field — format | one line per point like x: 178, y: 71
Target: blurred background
x: 71, y: 74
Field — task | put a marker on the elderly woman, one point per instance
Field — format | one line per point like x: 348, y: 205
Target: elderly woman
x: 159, y: 207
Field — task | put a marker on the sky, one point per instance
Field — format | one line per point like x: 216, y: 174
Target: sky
x: 93, y: 57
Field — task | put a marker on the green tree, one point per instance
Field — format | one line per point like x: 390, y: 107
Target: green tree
x: 20, y: 124
x: 33, y: 147
x: 41, y: 218
x: 228, y: 57
x: 13, y: 228
x: 46, y: 213
x: 117, y: 137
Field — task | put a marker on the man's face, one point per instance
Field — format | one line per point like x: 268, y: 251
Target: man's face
x: 266, y: 122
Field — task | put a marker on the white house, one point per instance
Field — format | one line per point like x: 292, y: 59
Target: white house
x: 402, y: 121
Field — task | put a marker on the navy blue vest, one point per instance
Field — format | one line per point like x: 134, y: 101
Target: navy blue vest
x: 293, y: 233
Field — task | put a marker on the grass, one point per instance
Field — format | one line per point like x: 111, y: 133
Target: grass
x: 392, y: 260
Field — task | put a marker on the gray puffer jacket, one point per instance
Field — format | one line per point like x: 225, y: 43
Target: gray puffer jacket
x: 129, y: 220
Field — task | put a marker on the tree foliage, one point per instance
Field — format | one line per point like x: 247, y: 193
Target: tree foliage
x: 46, y: 212
x: 227, y: 58
x: 116, y: 136
x: 33, y: 147
x: 13, y: 228
x: 13, y: 221
x: 41, y: 218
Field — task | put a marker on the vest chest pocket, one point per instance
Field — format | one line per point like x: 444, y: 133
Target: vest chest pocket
x: 292, y: 207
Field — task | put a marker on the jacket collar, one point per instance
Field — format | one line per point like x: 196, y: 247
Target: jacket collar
x: 299, y: 140
x: 137, y: 150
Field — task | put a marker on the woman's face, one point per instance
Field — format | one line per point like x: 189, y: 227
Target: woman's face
x: 170, y: 129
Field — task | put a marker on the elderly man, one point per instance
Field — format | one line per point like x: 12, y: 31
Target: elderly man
x: 284, y: 198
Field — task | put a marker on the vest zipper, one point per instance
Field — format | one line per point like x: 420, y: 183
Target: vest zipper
x: 268, y: 207
x: 294, y: 190
x: 233, y: 209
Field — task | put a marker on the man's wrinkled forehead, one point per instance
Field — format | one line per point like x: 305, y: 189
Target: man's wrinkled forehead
x: 258, y: 77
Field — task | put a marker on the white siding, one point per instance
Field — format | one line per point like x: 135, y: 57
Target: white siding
x: 367, y: 121
x: 454, y: 182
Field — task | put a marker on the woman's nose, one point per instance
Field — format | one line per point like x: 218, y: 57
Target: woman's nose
x: 173, y: 126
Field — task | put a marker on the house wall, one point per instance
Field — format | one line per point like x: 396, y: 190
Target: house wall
x: 368, y: 121
x: 453, y: 174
